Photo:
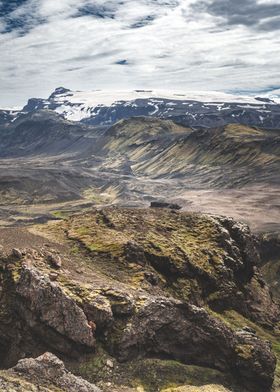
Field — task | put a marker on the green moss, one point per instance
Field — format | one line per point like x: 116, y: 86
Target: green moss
x: 60, y: 214
x: 155, y: 375
x: 104, y: 247
x: 83, y: 231
x: 179, y: 238
x: 75, y: 249
x: 186, y: 287
x: 76, y: 291
x: 271, y: 273
x: 93, y: 194
x: 149, y: 375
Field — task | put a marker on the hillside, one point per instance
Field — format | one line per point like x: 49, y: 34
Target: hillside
x: 137, y: 298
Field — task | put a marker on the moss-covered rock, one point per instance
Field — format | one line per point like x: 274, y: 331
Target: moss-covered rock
x: 199, y: 258
x: 153, y: 284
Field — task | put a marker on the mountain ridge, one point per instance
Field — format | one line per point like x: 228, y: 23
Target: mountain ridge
x: 195, y: 109
x: 47, y: 159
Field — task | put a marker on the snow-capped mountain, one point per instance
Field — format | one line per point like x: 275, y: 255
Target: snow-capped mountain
x: 207, y: 109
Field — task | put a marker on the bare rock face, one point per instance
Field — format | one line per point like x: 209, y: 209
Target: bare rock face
x: 42, y: 301
x: 99, y: 311
x: 254, y: 354
x: 187, y: 333
x: 162, y: 204
x: 244, y: 288
x: 44, y: 373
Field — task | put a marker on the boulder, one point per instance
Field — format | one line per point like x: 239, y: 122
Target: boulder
x: 45, y: 373
x: 54, y: 260
x: 42, y: 301
x: 162, y: 204
x: 16, y: 253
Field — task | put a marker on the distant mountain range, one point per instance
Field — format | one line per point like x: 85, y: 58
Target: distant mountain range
x: 192, y: 109
x: 45, y: 158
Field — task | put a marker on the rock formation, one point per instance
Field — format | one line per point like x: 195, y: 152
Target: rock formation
x: 156, y: 284
x: 46, y: 373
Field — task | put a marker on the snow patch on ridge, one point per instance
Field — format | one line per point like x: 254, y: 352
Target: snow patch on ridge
x: 79, y: 105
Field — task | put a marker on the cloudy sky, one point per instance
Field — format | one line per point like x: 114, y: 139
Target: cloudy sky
x: 224, y: 45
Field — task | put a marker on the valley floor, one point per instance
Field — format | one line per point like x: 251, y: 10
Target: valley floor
x: 256, y: 205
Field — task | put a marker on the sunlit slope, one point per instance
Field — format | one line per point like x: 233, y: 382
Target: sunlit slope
x: 231, y: 155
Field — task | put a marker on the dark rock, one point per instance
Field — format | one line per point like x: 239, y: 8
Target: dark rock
x: 242, y: 262
x: 255, y: 363
x: 151, y: 278
x: 48, y: 369
x: 122, y: 304
x: 187, y: 333
x: 17, y: 253
x: 134, y: 253
x: 249, y: 330
x: 161, y: 204
x: 54, y: 260
x: 269, y: 247
x: 42, y: 301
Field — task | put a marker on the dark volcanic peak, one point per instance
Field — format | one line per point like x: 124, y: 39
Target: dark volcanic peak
x: 59, y: 91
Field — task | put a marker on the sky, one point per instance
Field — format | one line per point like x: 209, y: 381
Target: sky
x: 217, y: 45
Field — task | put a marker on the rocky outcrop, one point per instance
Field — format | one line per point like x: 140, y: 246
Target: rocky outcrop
x: 269, y: 247
x: 46, y: 373
x: 251, y: 295
x: 204, y: 259
x: 37, y: 315
x: 156, y: 284
x: 164, y: 327
x: 41, y: 301
x: 162, y: 204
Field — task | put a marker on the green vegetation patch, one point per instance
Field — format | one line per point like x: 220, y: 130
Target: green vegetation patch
x: 179, y: 238
x: 149, y: 375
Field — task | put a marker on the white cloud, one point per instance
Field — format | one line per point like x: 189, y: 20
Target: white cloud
x: 175, y: 49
